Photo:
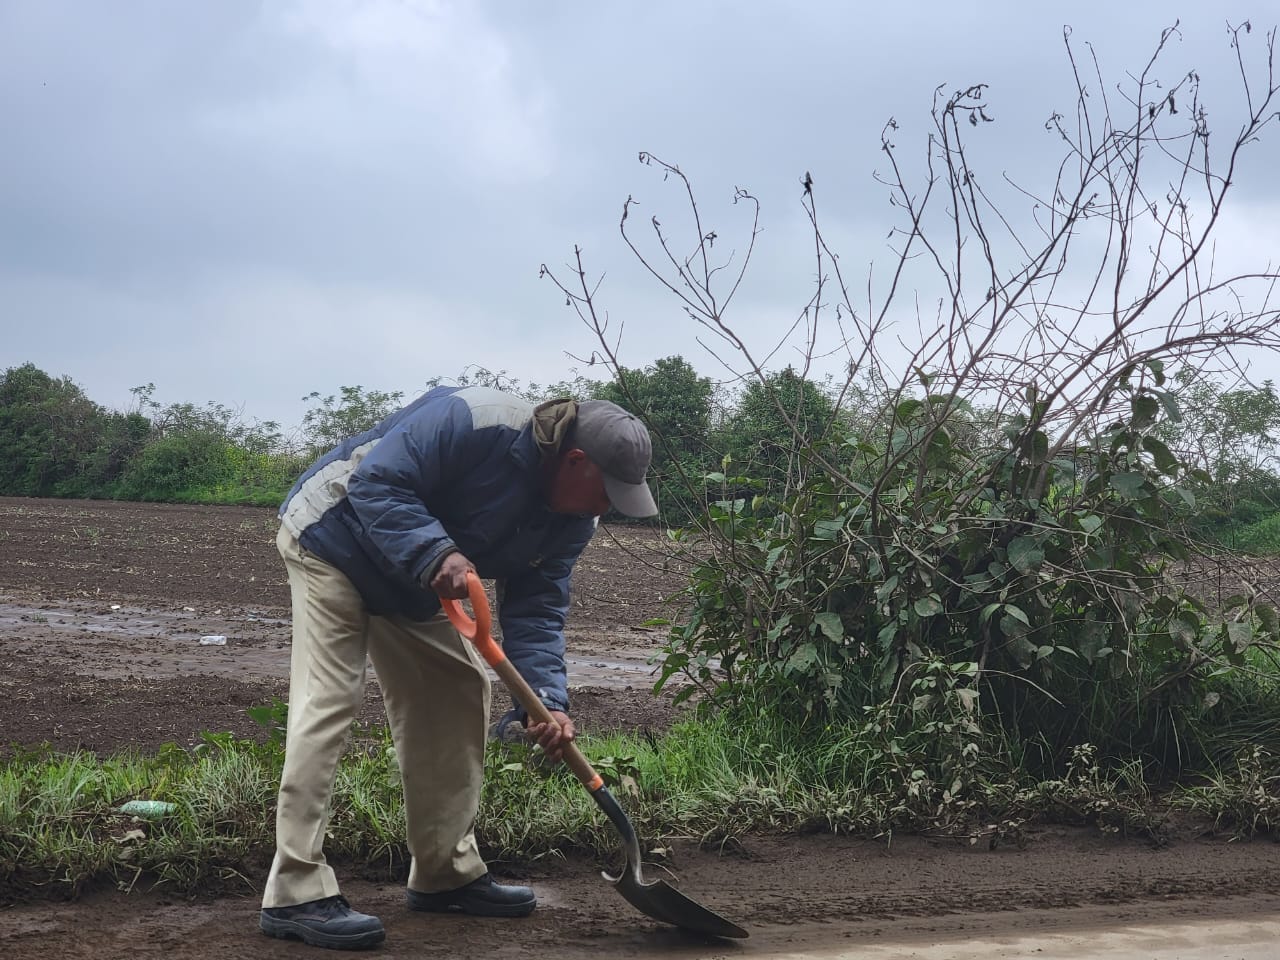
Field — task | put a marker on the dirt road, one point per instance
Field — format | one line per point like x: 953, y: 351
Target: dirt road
x: 1068, y: 895
x: 102, y: 607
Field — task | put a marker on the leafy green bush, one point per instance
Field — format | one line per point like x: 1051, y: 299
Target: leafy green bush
x: 203, y: 467
x: 1038, y: 562
x: 48, y: 430
x: 180, y: 466
x: 1000, y: 489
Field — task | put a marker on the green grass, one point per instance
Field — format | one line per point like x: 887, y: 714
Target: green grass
x: 712, y: 781
x: 1262, y: 537
x: 59, y: 828
x: 223, y: 494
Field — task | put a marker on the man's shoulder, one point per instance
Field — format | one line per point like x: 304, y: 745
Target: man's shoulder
x: 478, y: 407
x: 493, y: 408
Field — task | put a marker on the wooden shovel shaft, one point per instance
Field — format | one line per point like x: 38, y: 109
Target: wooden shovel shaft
x: 539, y: 713
x: 478, y: 631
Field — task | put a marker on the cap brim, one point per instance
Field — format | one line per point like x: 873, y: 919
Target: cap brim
x: 632, y: 499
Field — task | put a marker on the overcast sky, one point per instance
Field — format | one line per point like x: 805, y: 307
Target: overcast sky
x: 244, y: 202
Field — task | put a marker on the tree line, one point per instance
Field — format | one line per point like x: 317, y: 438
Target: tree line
x: 710, y: 440
x: 55, y: 441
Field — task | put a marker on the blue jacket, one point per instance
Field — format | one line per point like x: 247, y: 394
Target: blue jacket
x: 459, y: 468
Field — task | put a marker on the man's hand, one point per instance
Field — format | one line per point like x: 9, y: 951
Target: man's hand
x: 450, y: 580
x: 553, y: 737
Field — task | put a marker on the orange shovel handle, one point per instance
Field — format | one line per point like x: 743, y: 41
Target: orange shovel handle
x: 478, y: 631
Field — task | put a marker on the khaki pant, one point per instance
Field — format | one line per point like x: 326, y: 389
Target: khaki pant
x: 436, y: 693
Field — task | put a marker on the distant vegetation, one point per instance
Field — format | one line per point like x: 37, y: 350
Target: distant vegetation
x: 57, y: 442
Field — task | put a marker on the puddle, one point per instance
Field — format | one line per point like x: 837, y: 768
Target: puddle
x: 135, y: 641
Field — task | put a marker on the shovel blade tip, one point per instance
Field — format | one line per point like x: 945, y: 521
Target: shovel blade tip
x: 665, y: 903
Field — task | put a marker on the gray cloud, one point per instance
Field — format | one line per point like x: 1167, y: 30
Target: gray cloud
x: 244, y: 202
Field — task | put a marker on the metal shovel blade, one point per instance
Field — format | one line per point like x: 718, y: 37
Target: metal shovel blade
x: 657, y: 898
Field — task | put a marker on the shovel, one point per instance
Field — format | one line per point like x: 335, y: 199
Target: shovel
x: 657, y: 898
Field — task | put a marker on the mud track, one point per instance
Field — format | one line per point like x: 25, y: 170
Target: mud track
x: 102, y: 608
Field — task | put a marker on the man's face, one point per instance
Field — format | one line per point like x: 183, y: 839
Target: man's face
x: 577, y: 486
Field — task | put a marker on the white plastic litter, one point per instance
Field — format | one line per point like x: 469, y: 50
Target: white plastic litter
x: 213, y: 641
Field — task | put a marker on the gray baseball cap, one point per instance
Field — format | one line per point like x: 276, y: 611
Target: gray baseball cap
x: 619, y: 445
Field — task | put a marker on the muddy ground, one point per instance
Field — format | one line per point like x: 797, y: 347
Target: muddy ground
x: 102, y: 609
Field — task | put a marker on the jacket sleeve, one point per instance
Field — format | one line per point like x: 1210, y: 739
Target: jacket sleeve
x: 390, y: 489
x: 533, y: 610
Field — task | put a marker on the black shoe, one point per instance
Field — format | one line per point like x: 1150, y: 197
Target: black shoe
x: 480, y: 898
x: 323, y: 923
